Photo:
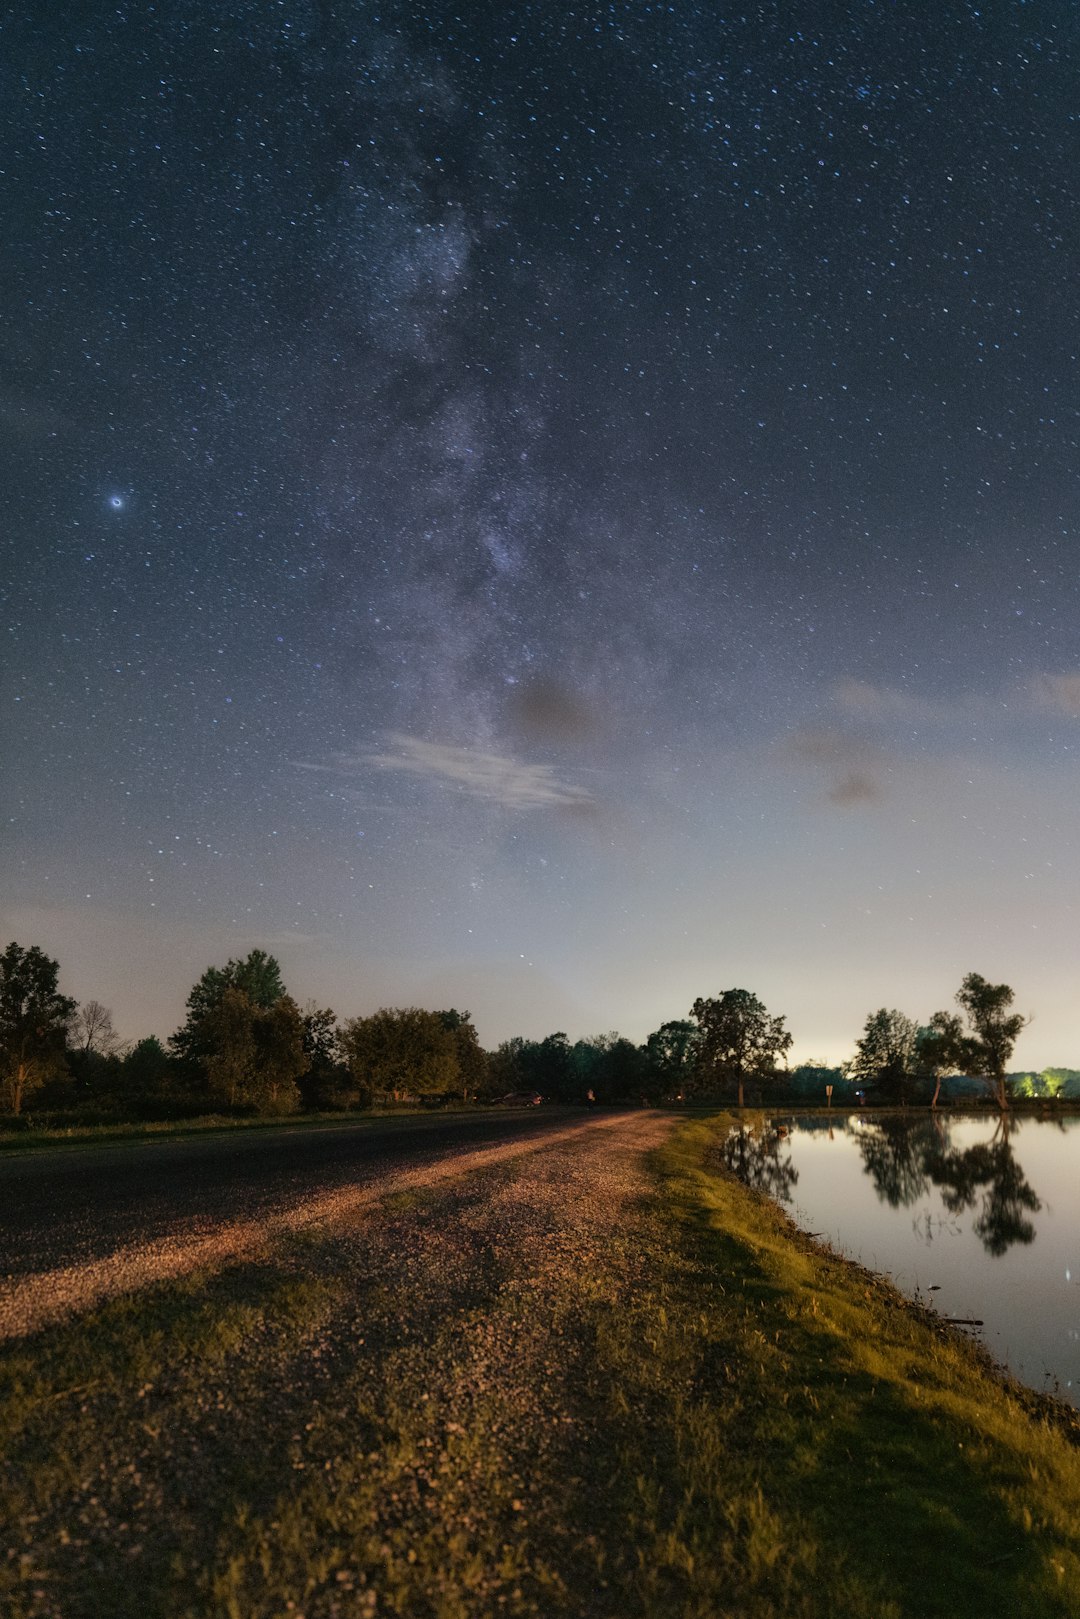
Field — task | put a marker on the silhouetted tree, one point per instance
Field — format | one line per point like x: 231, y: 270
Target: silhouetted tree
x: 885, y: 1054
x: 993, y: 1031
x: 621, y: 1073
x: 809, y: 1079
x: 92, y: 1030
x: 671, y: 1056
x: 941, y: 1047
x: 34, y: 1023
x: 506, y: 1067
x: 150, y: 1081
x: 549, y: 1068
x: 471, y: 1057
x: 738, y: 1040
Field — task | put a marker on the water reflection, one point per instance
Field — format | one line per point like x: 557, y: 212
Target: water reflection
x: 978, y: 1214
x: 904, y: 1159
x: 761, y: 1160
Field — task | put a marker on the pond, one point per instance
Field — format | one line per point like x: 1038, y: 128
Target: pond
x: 977, y: 1216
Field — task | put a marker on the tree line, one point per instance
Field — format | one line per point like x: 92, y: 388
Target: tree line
x: 247, y: 1047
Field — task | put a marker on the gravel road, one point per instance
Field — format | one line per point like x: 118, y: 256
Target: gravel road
x: 80, y: 1224
x: 419, y: 1433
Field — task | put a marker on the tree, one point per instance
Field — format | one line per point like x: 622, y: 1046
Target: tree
x: 620, y: 1072
x: 148, y: 1080
x: 92, y: 1031
x: 326, y: 1081
x: 280, y: 1058
x: 994, y: 1031
x: 471, y: 1057
x: 885, y: 1054
x: 34, y: 1023
x: 548, y: 1067
x: 671, y: 1056
x: 738, y: 1039
x: 258, y: 976
x: 941, y: 1047
x: 506, y: 1067
x: 400, y: 1051
x: 254, y: 1054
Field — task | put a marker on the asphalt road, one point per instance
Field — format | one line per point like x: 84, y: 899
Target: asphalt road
x: 67, y: 1205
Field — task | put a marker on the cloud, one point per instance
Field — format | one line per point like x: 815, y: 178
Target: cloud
x: 546, y: 711
x: 1059, y: 692
x: 496, y: 777
x: 861, y: 699
x: 865, y: 704
x: 846, y: 761
x: 856, y: 787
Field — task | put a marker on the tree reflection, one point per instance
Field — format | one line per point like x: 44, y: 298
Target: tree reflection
x: 905, y: 1160
x: 761, y: 1161
x: 990, y: 1175
x: 894, y: 1155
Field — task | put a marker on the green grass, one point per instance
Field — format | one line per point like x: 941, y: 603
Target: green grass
x: 81, y: 1135
x: 716, y: 1419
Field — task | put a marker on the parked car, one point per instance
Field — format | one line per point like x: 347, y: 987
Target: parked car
x: 520, y: 1099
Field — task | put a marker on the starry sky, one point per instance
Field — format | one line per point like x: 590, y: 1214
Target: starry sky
x: 552, y: 509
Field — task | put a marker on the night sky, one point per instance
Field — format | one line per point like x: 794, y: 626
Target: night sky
x: 551, y: 509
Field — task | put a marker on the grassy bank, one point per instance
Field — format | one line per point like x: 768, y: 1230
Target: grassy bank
x: 558, y: 1387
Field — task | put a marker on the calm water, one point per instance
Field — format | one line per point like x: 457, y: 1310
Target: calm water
x: 976, y: 1218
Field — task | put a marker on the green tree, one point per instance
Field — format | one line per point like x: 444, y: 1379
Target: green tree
x: 506, y: 1067
x: 471, y: 1057
x: 254, y: 1054
x: 34, y: 1023
x: 885, y: 1053
x: 994, y: 1031
x: 258, y: 976
x: 671, y: 1056
x: 326, y: 1081
x: 941, y: 1047
x: 738, y: 1040
x: 399, y: 1052
x: 150, y: 1081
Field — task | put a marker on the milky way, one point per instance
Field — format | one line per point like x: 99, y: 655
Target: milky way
x: 557, y: 509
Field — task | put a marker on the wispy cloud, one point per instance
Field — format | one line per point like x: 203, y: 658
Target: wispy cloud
x: 865, y: 704
x: 494, y: 776
x: 499, y: 778
x: 864, y: 700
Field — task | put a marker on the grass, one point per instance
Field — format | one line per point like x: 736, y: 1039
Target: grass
x: 84, y: 1135
x: 711, y: 1417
